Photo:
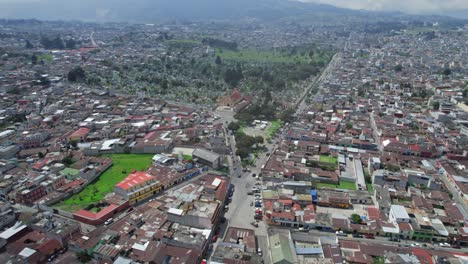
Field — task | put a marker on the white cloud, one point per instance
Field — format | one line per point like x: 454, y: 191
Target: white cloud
x: 407, y: 6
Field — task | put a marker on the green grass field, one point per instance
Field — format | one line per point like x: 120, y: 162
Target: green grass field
x: 271, y: 130
x: 252, y: 55
x: 342, y: 185
x: 45, y: 57
x: 328, y: 159
x: 124, y: 164
x: 417, y: 30
x: 187, y: 157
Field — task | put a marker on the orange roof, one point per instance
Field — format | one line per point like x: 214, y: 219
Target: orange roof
x: 82, y: 131
x: 94, y: 216
x: 134, y: 179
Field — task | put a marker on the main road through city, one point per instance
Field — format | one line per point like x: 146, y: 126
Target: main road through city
x: 241, y: 212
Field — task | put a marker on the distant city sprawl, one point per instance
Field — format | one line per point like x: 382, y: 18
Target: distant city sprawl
x: 337, y: 138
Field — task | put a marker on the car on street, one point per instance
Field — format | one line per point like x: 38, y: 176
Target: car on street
x: 215, y: 237
x: 340, y: 233
x: 109, y: 221
x: 415, y: 245
x: 369, y: 236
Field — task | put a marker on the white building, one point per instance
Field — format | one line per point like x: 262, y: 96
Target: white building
x: 398, y: 214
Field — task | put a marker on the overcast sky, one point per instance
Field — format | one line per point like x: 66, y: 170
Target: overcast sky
x: 406, y: 6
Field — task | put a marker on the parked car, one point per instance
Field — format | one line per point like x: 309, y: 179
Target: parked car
x: 340, y: 233
x: 215, y: 237
x: 415, y: 245
x: 369, y: 236
x: 254, y: 224
x: 357, y: 235
x: 109, y: 221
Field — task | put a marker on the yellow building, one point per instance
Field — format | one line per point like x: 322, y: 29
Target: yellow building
x: 137, y: 186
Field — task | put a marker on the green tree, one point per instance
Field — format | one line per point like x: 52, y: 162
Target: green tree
x: 349, y: 125
x: 287, y: 115
x: 356, y: 219
x: 164, y: 84
x: 446, y: 72
x: 259, y: 140
x: 398, y: 68
x: 29, y: 45
x: 218, y: 60
x: 77, y: 74
x: 233, y: 126
x: 34, y: 59
x: 242, y: 152
x: 435, y: 105
x: 68, y: 160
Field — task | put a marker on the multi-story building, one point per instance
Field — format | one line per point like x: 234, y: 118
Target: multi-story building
x: 137, y: 186
x: 31, y: 194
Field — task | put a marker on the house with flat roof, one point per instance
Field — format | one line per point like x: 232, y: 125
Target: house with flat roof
x: 207, y: 157
x: 398, y: 214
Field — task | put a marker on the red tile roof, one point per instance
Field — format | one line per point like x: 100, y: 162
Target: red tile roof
x: 48, y: 247
x: 82, y: 131
x: 423, y: 256
x: 94, y: 216
x: 38, y: 165
x: 134, y: 179
x: 373, y: 213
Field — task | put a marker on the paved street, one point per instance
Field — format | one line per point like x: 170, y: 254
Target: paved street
x: 385, y: 241
x: 241, y: 213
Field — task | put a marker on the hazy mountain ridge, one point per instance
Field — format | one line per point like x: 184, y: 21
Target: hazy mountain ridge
x: 159, y: 11
x: 152, y: 11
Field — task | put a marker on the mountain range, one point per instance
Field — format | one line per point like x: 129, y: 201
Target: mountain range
x: 157, y: 11
x: 154, y: 11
